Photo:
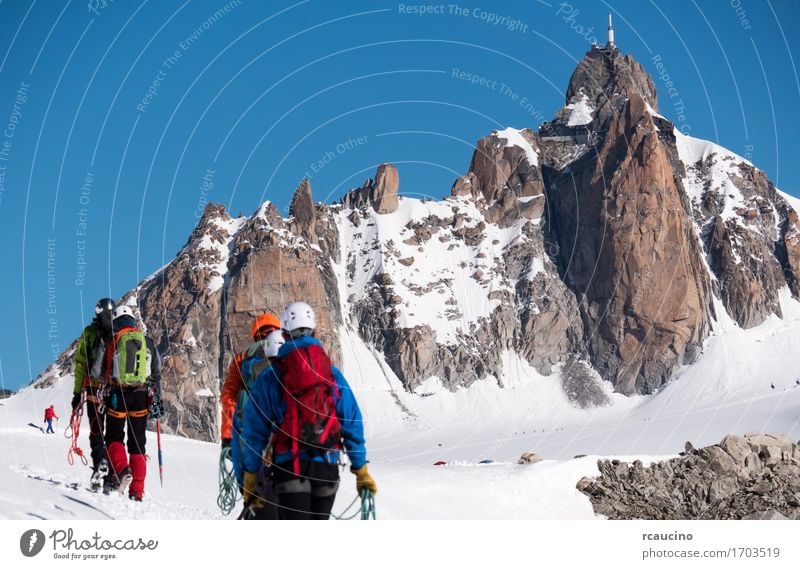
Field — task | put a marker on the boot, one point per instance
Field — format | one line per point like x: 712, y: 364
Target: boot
x: 139, y: 472
x: 99, y: 475
x: 125, y: 479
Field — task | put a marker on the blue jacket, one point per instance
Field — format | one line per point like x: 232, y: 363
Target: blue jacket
x: 265, y: 409
x: 236, y: 441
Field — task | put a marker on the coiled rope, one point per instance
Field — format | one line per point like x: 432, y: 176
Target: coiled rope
x: 366, y: 511
x: 73, y: 430
x: 228, y: 485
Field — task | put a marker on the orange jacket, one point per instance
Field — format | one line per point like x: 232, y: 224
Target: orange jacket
x: 230, y: 390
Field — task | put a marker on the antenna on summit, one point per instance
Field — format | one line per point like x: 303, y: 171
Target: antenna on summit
x: 610, y: 32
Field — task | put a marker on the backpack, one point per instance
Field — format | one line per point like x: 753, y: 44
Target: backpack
x: 310, y: 424
x: 253, y: 363
x: 130, y: 363
x: 96, y: 357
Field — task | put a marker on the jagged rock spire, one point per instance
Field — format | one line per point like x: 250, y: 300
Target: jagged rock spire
x: 384, y: 191
x: 303, y: 212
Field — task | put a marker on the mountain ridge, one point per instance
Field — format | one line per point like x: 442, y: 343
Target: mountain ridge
x: 554, y: 246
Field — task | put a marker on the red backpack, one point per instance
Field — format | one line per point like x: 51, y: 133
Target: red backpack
x: 310, y: 423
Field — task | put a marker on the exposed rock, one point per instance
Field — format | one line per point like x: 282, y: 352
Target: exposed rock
x: 736, y: 447
x: 302, y: 210
x: 384, y: 191
x: 768, y: 515
x: 608, y: 78
x: 529, y: 458
x: 760, y: 442
x: 581, y: 385
x: 708, y: 485
x: 749, y: 232
x: 498, y: 168
x: 632, y: 232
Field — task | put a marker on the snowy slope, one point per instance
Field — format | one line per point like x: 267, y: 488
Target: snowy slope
x: 437, y: 280
x: 724, y: 165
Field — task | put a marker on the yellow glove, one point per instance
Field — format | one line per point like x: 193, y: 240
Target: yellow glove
x: 249, y: 493
x: 364, y: 480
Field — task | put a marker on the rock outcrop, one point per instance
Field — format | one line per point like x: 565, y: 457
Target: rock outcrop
x: 752, y: 477
x: 625, y: 243
x: 384, y: 191
x: 749, y: 232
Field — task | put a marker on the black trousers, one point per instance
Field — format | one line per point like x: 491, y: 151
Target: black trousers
x: 96, y: 441
x: 127, y: 401
x: 309, y: 496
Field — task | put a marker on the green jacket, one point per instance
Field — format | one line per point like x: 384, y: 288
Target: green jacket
x: 85, y: 357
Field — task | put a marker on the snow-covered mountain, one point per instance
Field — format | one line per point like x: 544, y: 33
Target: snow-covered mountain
x: 595, y: 258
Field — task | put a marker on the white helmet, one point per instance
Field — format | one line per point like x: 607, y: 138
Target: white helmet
x: 298, y: 315
x: 272, y: 343
x: 123, y: 310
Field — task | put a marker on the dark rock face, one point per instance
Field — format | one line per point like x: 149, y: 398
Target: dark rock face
x: 752, y: 477
x: 626, y: 248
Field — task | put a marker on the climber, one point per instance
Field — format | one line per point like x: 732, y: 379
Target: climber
x: 134, y: 394
x: 261, y: 327
x: 90, y: 369
x: 261, y: 505
x: 49, y: 415
x: 305, y: 409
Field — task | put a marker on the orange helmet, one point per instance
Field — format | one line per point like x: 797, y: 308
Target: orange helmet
x: 268, y: 320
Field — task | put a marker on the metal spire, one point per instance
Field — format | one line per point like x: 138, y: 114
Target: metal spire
x: 610, y: 32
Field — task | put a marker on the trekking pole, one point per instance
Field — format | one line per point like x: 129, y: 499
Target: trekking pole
x: 160, y: 454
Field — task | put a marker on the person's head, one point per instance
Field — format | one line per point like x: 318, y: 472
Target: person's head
x: 298, y: 320
x: 52, y: 406
x: 272, y: 343
x: 103, y: 313
x: 123, y: 317
x: 263, y: 325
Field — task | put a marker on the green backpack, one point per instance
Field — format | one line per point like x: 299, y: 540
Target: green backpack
x: 131, y: 363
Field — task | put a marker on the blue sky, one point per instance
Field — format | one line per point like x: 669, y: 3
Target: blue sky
x: 114, y: 112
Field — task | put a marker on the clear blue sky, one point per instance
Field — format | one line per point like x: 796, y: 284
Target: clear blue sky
x: 145, y: 98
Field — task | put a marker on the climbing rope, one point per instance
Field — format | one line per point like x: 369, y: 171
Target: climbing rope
x: 228, y: 486
x: 366, y: 511
x: 73, y: 430
x: 367, y: 505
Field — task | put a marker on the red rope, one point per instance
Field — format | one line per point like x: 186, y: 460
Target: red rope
x: 73, y: 430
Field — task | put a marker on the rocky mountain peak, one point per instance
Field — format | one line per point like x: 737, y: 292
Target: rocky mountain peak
x: 211, y: 224
x: 607, y: 79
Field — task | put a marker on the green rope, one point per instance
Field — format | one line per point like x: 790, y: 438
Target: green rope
x: 366, y: 511
x: 228, y: 486
x: 367, y: 505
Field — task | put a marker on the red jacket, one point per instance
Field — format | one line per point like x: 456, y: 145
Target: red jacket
x: 50, y: 413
